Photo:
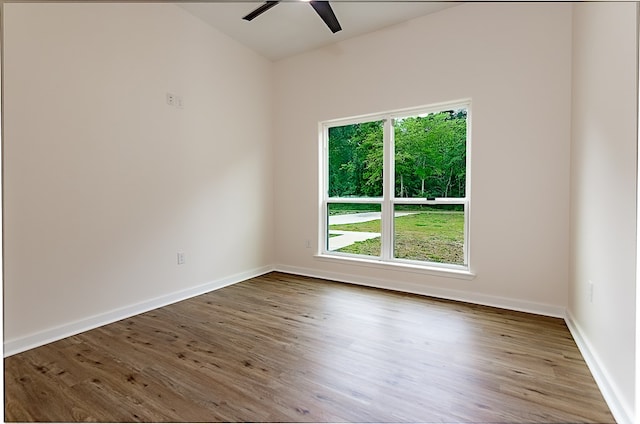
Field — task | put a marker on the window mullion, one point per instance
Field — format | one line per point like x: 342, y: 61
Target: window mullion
x: 388, y: 179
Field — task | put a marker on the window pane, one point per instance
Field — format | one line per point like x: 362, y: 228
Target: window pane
x: 354, y: 228
x: 430, y: 155
x: 433, y: 233
x: 355, y: 160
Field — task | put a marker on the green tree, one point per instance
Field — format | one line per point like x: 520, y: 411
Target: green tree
x: 372, y: 151
x: 355, y: 160
x: 431, y: 155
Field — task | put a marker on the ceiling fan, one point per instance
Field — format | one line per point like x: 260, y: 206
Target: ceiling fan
x: 321, y: 7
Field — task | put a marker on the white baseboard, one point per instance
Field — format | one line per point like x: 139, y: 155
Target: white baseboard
x: 458, y: 295
x: 621, y: 412
x: 21, y: 344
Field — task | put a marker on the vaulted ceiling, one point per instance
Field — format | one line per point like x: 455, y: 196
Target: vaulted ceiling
x: 293, y: 27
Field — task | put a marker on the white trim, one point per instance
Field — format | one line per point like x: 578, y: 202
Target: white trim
x: 400, y: 200
x: 423, y: 201
x: 467, y: 189
x: 21, y: 344
x: 361, y: 119
x: 359, y: 200
x: 622, y: 413
x: 323, y: 181
x: 396, y: 113
x: 555, y: 311
x: 428, y: 109
x: 404, y: 265
x: 388, y: 188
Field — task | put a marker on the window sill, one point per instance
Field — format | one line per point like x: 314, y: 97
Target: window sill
x: 461, y: 274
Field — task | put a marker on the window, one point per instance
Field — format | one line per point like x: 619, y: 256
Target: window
x: 395, y: 187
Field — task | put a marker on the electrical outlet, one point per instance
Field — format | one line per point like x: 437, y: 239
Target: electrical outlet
x: 171, y: 99
x: 180, y: 258
x: 308, y: 244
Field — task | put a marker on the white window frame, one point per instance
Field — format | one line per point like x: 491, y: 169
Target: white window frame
x: 388, y: 201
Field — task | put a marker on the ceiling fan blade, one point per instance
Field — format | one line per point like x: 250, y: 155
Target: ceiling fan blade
x: 260, y: 10
x: 326, y: 13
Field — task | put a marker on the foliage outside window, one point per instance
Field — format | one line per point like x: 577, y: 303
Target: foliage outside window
x: 395, y: 186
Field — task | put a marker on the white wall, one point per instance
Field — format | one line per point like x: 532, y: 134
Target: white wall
x: 603, y: 201
x: 104, y: 182
x: 514, y: 62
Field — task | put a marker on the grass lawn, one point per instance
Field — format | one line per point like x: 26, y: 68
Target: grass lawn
x: 434, y: 236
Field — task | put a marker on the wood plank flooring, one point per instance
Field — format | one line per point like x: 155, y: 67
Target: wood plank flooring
x: 284, y: 348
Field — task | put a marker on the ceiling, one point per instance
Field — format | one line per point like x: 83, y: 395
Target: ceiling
x: 294, y: 27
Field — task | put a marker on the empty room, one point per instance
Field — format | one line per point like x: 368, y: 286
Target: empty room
x: 323, y: 212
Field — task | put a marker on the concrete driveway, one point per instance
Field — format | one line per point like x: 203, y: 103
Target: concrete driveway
x: 346, y: 238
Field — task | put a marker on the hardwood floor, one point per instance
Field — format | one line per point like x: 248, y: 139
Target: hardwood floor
x: 283, y: 348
